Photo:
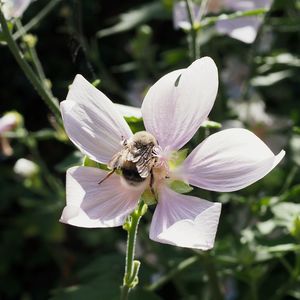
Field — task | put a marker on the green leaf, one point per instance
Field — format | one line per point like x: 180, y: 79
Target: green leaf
x: 135, y: 17
x: 177, y: 158
x: 296, y: 129
x: 295, y: 231
x: 10, y: 26
x: 87, y: 162
x: 287, y: 214
x: 270, y: 79
x: 135, y: 124
x: 295, y: 147
x: 283, y: 248
x: 211, y: 124
x: 74, y: 159
x: 148, y: 197
x: 180, y: 187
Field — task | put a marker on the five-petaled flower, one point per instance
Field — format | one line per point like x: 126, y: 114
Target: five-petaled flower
x: 173, y: 110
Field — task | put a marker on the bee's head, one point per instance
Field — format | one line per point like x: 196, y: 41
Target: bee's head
x: 144, y: 138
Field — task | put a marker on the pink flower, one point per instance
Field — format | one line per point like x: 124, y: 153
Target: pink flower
x: 8, y: 122
x: 244, y: 29
x: 173, y: 110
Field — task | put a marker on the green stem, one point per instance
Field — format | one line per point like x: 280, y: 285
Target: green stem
x: 253, y: 290
x: 53, y: 183
x: 132, y: 266
x: 19, y: 57
x: 289, y: 179
x: 210, y: 21
x: 124, y: 292
x: 35, y: 20
x: 193, y: 32
x: 31, y: 50
x: 216, y: 293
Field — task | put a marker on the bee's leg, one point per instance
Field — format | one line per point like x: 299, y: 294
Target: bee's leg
x: 107, y: 176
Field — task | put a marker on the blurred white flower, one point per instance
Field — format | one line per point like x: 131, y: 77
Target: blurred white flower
x: 8, y: 122
x: 234, y: 75
x: 244, y: 29
x: 26, y: 168
x: 14, y: 8
x: 180, y: 15
x: 265, y: 125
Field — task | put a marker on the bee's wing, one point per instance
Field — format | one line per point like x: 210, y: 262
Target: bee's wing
x: 117, y: 160
x: 144, y: 160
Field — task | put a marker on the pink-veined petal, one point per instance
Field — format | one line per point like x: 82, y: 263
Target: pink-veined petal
x: 243, y: 29
x: 185, y: 221
x: 92, y: 121
x: 90, y: 204
x: 229, y: 160
x: 129, y: 111
x: 177, y: 104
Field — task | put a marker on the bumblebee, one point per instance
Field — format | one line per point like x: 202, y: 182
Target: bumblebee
x: 136, y: 160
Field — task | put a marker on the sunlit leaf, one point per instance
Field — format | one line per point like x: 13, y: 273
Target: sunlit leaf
x: 135, y: 17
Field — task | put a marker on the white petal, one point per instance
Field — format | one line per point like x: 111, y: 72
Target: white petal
x: 92, y: 121
x: 129, y: 111
x: 243, y: 29
x: 229, y: 160
x: 19, y: 7
x: 185, y: 221
x: 174, y: 113
x: 90, y: 204
x: 14, y: 8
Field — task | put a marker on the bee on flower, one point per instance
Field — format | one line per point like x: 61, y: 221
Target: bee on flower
x: 173, y: 110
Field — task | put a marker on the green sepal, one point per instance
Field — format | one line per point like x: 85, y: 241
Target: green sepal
x: 177, y: 158
x: 211, y: 124
x: 134, y: 280
x: 148, y: 197
x: 180, y: 187
x: 87, y: 162
x: 96, y: 82
x: 127, y: 225
x: 135, y: 124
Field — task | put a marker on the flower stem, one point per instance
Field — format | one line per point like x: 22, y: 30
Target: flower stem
x: 193, y: 32
x: 32, y: 77
x: 211, y: 272
x: 210, y: 21
x: 35, y: 20
x: 132, y: 266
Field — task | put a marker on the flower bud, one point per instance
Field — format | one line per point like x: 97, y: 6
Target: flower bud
x: 26, y: 168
